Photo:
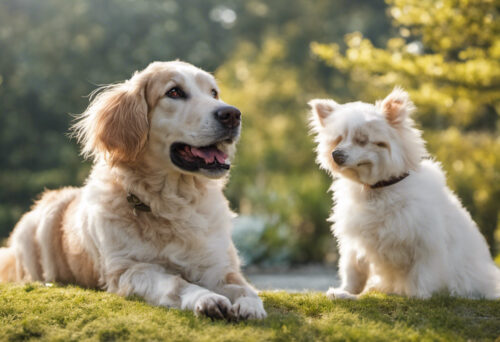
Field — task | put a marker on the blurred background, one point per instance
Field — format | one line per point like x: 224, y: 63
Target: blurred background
x: 270, y: 58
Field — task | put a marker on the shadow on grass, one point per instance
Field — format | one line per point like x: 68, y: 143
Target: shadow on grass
x: 439, y: 317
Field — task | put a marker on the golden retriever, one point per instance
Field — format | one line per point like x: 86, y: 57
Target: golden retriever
x: 151, y: 219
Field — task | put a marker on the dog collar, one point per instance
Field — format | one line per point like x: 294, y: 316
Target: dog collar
x: 388, y: 182
x: 136, y: 203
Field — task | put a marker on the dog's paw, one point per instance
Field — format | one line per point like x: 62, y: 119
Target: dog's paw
x: 214, y: 306
x: 336, y: 293
x: 249, y: 308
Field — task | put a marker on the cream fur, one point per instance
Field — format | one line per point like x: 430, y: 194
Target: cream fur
x: 178, y: 255
x: 411, y: 238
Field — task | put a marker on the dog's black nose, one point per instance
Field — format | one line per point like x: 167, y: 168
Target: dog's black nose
x: 339, y: 157
x: 228, y: 116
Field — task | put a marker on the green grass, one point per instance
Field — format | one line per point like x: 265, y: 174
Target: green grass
x: 66, y: 313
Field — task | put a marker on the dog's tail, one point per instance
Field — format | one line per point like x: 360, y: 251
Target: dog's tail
x: 7, y: 265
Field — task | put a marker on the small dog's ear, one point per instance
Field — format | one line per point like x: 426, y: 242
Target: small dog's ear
x: 321, y: 109
x: 397, y: 106
x: 116, y: 123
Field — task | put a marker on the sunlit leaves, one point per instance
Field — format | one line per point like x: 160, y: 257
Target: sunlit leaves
x: 447, y: 57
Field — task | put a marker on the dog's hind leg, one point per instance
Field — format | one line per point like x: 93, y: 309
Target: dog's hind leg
x: 25, y: 249
x: 7, y: 265
x: 18, y: 261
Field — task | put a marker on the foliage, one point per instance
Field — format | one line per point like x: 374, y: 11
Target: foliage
x: 271, y: 80
x: 275, y: 172
x: 33, y: 311
x: 54, y: 52
x: 45, y: 73
x: 447, y: 55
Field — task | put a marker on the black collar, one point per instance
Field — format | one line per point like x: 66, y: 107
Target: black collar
x: 388, y: 182
x: 136, y: 203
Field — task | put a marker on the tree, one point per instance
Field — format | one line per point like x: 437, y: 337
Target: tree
x: 270, y: 77
x: 447, y: 55
x: 54, y: 52
x: 57, y: 51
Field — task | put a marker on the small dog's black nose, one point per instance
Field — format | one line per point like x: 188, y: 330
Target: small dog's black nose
x: 339, y: 157
x: 228, y: 116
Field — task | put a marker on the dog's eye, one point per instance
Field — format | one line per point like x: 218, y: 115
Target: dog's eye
x: 176, y: 93
x: 215, y: 94
x: 381, y: 144
x: 361, y: 141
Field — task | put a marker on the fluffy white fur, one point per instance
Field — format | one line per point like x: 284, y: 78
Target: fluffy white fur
x: 411, y: 238
x: 178, y: 255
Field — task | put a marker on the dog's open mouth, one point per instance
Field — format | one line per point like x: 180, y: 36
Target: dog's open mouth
x: 191, y: 158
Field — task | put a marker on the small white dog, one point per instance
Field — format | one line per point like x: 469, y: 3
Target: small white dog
x: 151, y: 219
x: 400, y: 229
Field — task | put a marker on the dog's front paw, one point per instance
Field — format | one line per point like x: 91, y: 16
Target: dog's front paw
x: 249, y: 308
x: 214, y: 306
x: 336, y: 293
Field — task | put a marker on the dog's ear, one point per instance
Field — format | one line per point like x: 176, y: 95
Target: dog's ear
x: 320, y: 110
x: 115, y: 124
x: 397, y: 106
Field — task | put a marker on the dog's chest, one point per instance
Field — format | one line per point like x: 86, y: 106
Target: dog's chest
x: 185, y: 244
x: 382, y: 230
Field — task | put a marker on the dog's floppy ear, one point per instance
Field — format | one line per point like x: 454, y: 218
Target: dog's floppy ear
x: 320, y: 110
x: 115, y: 124
x: 397, y: 106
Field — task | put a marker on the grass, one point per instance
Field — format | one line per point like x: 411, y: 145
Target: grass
x: 67, y: 313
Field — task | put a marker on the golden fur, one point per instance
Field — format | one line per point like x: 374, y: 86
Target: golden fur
x: 179, y: 254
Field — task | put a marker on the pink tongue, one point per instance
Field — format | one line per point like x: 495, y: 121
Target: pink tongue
x: 209, y: 154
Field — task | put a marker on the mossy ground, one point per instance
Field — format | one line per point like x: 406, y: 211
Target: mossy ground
x: 66, y: 313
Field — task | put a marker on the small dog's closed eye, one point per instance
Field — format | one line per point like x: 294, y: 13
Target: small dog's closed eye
x: 400, y: 228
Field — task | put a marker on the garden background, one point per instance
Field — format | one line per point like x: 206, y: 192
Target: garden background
x: 270, y: 58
